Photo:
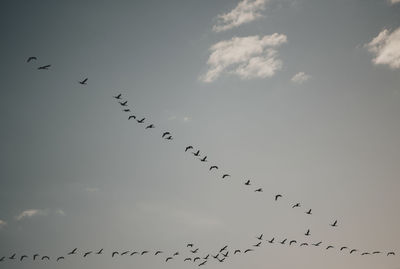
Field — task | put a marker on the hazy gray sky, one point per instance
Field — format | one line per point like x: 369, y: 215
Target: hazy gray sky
x: 302, y: 97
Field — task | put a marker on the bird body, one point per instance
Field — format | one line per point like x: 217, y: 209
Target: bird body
x: 213, y: 167
x: 144, y: 252
x: 277, y: 196
x: 334, y: 224
x: 248, y: 250
x: 257, y: 245
x: 118, y: 97
x: 114, y: 253
x: 131, y: 117
x: 283, y: 241
x: 168, y: 258
x: 123, y: 103
x: 100, y: 251
x: 272, y: 240
x: 124, y: 253
x: 150, y: 126
x: 258, y: 190
x: 296, y: 205
x: 225, y: 175
x: 317, y: 244
x: 200, y: 264
x: 158, y: 252
x: 309, y: 212
x: 307, y: 233
x: 60, y: 258
x: 23, y: 257
x: 31, y: 59
x: 188, y: 147
x: 141, y: 121
x: 165, y: 133
x: 44, y: 67
x: 197, y: 153
x: 292, y: 242
x: 247, y: 183
x: 83, y: 82
x: 87, y: 253
x: 260, y: 237
x: 204, y: 159
x: 46, y: 257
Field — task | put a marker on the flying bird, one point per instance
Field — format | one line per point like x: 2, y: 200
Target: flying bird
x: 100, y: 251
x: 195, y: 259
x: 44, y: 67
x: 352, y: 251
x: 334, y: 224
x: 123, y: 103
x: 60, y: 258
x: 303, y: 244
x: 296, y: 205
x: 216, y: 256
x: 45, y: 257
x: 200, y: 264
x: 22, y: 257
x: 307, y: 233
x: 258, y: 190
x: 158, y: 252
x: 197, y: 153
x: 144, y: 252
x: 225, y: 175
x: 188, y: 147
x: 167, y: 259
x: 317, y: 244
x: 187, y: 259
x: 141, y: 121
x: 236, y: 251
x: 35, y: 256
x: 131, y: 117
x: 328, y: 247
x: 222, y: 260
x: 390, y: 253
x: 12, y: 257
x: 118, y: 97
x: 87, y: 253
x: 213, y: 167
x: 169, y: 137
x: 204, y: 159
x: 31, y: 59
x: 165, y: 133
x: 277, y: 196
x: 376, y: 252
x: 272, y: 240
x: 309, y: 212
x: 248, y: 250
x: 222, y: 249
x: 260, y: 237
x: 83, y: 82
x: 342, y: 248
x: 365, y: 253
x: 150, y: 126
x: 176, y: 254
x: 283, y: 241
x: 194, y: 251
x: 2, y: 258
x: 189, y: 245
x: 247, y: 183
x: 226, y: 254
x: 257, y: 245
x: 134, y: 252
x: 127, y: 110
x: 114, y: 253
x: 124, y: 253
x: 292, y: 242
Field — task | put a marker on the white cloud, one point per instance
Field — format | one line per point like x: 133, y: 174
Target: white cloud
x: 394, y: 1
x: 246, y: 57
x: 300, y: 78
x: 2, y: 223
x: 31, y: 213
x: 386, y: 47
x: 245, y: 12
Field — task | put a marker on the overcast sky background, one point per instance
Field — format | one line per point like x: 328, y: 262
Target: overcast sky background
x: 302, y: 97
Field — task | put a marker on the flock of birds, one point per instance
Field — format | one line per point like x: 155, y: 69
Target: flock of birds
x: 195, y: 258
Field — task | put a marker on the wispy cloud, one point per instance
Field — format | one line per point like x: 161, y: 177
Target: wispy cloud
x: 245, y: 12
x: 386, y: 47
x: 29, y: 213
x: 394, y: 1
x: 2, y: 223
x: 300, y: 78
x: 246, y: 57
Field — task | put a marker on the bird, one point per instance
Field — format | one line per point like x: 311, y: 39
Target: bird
x: 206, y: 257
x: 87, y: 253
x: 328, y: 247
x: 158, y: 252
x: 292, y: 242
x: 200, y: 264
x: 303, y: 244
x: 248, y: 250
x: 365, y: 253
x: 44, y: 67
x: 352, y: 251
x: 221, y: 260
x: 195, y: 259
x: 257, y: 245
x: 260, y: 237
x: 216, y: 256
x: 334, y: 224
x: 188, y: 147
x: 194, y: 251
x: 22, y: 257
x: 127, y: 110
x: 247, y: 183
x: 226, y: 254
x: 307, y: 233
x: 277, y: 196
x: 83, y: 82
x: 189, y: 245
x: 45, y: 257
x: 390, y: 253
x: 283, y: 241
x: 213, y: 167
x: 131, y: 117
x: 168, y: 258
x: 342, y: 248
x: 309, y: 212
x: 31, y: 59
x: 296, y: 205
x: 204, y: 159
x: 165, y: 133
x: 144, y: 252
x: 197, y: 153
x: 100, y: 251
x: 141, y: 121
x: 236, y: 251
x: 225, y: 175
x: 317, y: 244
x: 2, y: 258
x: 376, y: 252
x: 187, y: 259
x: 169, y: 137
x: 60, y: 258
x: 34, y: 256
x: 114, y: 253
x: 118, y: 97
x: 224, y: 248
x: 123, y: 103
x: 12, y: 257
x: 124, y: 253
x: 176, y: 254
x: 134, y: 252
x: 272, y: 240
x: 258, y: 190
x: 150, y: 126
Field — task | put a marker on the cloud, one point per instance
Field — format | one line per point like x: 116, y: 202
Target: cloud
x: 246, y: 57
x: 300, y: 78
x: 31, y: 213
x: 386, y: 47
x: 2, y: 223
x: 245, y: 12
x: 60, y: 212
x: 394, y: 1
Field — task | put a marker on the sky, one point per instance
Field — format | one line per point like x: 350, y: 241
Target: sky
x: 301, y: 97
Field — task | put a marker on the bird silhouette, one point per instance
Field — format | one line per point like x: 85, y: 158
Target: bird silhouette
x: 309, y: 212
x: 100, y: 251
x: 44, y: 67
x: 334, y: 224
x: 260, y: 237
x: 197, y: 153
x: 248, y: 250
x: 258, y: 190
x: 127, y: 110
x: 83, y: 82
x: 328, y: 247
x: 342, y: 248
x: 134, y: 252
x: 124, y: 253
x: 150, y: 126
x: 196, y: 259
x: 365, y: 253
x: 118, y: 97
x: 221, y: 260
x: 226, y: 254
x: 296, y: 205
x: 257, y: 245
x: 204, y: 159
x: 317, y: 244
x: 45, y: 257
x: 189, y: 245
x: 176, y: 254
x: 213, y: 167
x: 194, y: 251
x: 87, y: 253
x: 158, y: 252
x: 23, y: 257
x: 247, y: 183
x: 272, y: 240
x: 141, y: 121
x: 292, y: 242
x: 35, y: 256
x: 236, y: 251
x: 200, y: 264
x: 12, y: 257
x: 188, y: 147
x: 216, y: 256
x: 60, y: 258
x: 114, y: 253
x: 225, y: 175
x: 168, y: 258
x: 165, y: 133
x: 390, y: 253
x: 303, y: 244
x: 187, y: 259
x: 131, y: 117
x: 307, y: 233
x: 277, y: 196
x: 376, y: 252
x: 283, y: 241
x: 169, y: 138
x: 144, y: 252
x: 352, y: 251
x: 31, y: 59
x: 206, y: 257
x: 224, y: 248
x: 123, y: 103
x: 2, y: 258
